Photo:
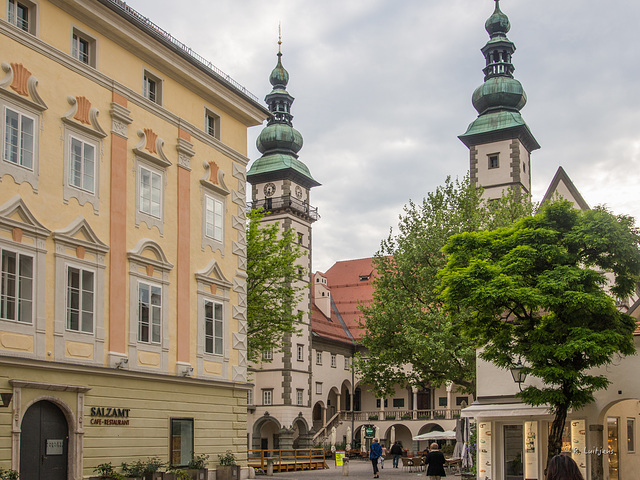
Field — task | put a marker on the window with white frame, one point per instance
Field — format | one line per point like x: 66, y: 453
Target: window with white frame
x: 150, y: 191
x: 19, y: 138
x: 83, y: 48
x: 213, y: 225
x: 212, y: 124
x: 347, y: 363
x: 149, y: 313
x: 250, y: 397
x: 267, y: 355
x: 22, y: 14
x: 152, y: 87
x: 299, y: 396
x: 213, y: 327
x: 80, y: 300
x: 494, y: 161
x: 16, y: 286
x: 300, y: 356
x: 20, y: 130
x: 82, y: 164
x: 318, y: 358
x: 267, y: 396
x: 334, y: 361
x: 318, y: 388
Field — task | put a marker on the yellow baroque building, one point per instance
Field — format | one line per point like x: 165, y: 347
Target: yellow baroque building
x: 122, y: 243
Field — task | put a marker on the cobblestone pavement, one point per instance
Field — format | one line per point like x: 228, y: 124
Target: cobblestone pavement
x: 358, y: 469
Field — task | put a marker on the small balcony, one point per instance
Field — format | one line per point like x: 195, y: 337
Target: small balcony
x: 286, y: 203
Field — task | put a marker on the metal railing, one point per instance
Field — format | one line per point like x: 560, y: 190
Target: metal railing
x: 165, y: 37
x: 285, y: 202
x: 325, y: 429
x: 402, y: 415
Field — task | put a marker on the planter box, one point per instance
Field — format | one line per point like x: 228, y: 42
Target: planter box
x: 198, y: 474
x: 228, y: 472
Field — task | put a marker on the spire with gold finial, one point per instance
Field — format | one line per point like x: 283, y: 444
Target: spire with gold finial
x: 279, y: 142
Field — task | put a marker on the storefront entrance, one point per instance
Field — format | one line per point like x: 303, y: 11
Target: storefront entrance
x: 513, y: 452
x: 44, y: 443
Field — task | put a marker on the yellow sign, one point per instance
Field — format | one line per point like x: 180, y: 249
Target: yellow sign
x: 339, y: 458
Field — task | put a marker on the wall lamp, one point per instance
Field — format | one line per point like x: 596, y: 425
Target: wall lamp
x: 518, y: 373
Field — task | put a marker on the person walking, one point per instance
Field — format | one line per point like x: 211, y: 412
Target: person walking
x: 375, y: 452
x: 396, y: 451
x: 563, y: 467
x: 435, y: 462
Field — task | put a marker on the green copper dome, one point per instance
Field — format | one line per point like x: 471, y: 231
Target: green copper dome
x: 499, y: 99
x: 498, y: 23
x: 279, y: 142
x: 499, y: 93
x: 279, y: 76
x: 279, y: 137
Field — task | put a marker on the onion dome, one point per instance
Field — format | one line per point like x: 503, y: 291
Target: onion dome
x: 499, y: 99
x: 499, y: 93
x: 279, y: 76
x: 279, y: 137
x: 279, y: 142
x: 498, y: 23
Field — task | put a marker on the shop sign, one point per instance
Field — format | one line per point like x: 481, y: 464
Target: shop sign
x: 105, y: 416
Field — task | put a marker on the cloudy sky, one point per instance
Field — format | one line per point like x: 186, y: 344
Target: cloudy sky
x: 383, y: 88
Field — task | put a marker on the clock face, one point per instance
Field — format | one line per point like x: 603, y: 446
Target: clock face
x: 298, y: 191
x: 269, y: 189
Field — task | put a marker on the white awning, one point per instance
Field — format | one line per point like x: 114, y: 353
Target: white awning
x: 448, y: 435
x: 505, y: 410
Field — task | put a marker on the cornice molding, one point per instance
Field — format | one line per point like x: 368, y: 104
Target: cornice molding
x: 108, y: 83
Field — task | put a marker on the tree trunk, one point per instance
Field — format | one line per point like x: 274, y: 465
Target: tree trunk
x: 555, y: 435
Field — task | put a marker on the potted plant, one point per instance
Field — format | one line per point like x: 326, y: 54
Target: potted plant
x: 104, y: 470
x: 227, y: 467
x: 134, y: 469
x: 175, y: 473
x: 8, y: 474
x: 197, y: 468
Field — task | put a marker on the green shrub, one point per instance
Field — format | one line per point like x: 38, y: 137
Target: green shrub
x: 8, y: 474
x: 199, y: 462
x: 228, y: 458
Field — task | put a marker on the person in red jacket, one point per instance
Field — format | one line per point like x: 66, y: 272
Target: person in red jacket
x: 435, y: 462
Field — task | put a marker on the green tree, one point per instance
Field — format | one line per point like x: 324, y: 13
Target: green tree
x: 543, y: 291
x: 272, y: 293
x: 405, y: 325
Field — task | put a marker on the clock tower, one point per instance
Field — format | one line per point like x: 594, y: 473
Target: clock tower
x: 500, y: 142
x: 281, y: 184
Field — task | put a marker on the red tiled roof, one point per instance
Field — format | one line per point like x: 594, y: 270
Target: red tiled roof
x: 350, y: 284
x: 327, y: 328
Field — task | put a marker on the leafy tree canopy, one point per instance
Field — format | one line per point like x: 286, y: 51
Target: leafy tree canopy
x: 409, y: 339
x: 272, y: 293
x: 542, y: 291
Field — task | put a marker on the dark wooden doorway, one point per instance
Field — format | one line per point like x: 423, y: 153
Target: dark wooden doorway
x: 44, y: 443
x: 424, y: 399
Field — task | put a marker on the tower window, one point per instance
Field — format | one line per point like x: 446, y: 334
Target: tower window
x: 494, y: 161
